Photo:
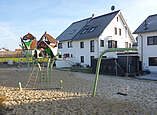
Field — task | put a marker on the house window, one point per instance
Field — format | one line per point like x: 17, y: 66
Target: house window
x: 115, y: 44
x: 115, y: 31
x: 81, y: 44
x: 126, y: 44
x: 152, y: 61
x: 60, y: 56
x: 71, y: 55
x: 112, y: 44
x: 70, y: 44
x: 66, y: 55
x: 59, y: 45
x: 152, y: 40
x: 117, y: 19
x: 104, y: 57
x: 120, y: 32
x: 101, y: 43
x: 129, y: 45
x: 82, y: 59
x: 91, y: 60
x: 92, y: 46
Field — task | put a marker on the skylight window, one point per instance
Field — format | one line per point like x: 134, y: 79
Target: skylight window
x: 92, y: 29
x: 87, y: 30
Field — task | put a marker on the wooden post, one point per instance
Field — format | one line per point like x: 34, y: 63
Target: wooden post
x: 40, y: 72
x: 50, y: 75
x: 20, y: 87
x: 61, y: 84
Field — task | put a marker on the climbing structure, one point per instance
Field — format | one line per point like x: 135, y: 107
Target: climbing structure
x: 46, y: 46
x: 28, y: 44
x: 39, y: 73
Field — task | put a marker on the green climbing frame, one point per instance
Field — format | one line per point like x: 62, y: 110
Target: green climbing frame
x: 99, y: 62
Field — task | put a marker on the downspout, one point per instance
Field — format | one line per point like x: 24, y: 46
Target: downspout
x: 141, y: 50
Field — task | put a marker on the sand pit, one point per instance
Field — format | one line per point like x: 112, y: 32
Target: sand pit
x: 75, y: 97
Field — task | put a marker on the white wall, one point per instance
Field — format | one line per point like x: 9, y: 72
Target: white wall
x: 109, y: 34
x: 148, y: 51
x: 76, y: 51
x: 62, y: 63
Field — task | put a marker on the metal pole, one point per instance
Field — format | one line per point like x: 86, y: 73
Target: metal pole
x: 97, y: 75
x: 32, y: 64
x: 116, y: 66
x: 127, y: 66
x: 99, y: 62
x: 40, y: 72
x: 48, y: 65
x: 27, y: 58
x: 50, y: 75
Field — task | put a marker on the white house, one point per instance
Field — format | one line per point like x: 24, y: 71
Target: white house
x: 86, y: 39
x: 147, y: 43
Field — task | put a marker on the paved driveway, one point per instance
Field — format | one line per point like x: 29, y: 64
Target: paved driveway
x: 152, y: 76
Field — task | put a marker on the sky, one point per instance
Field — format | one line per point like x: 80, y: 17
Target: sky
x: 18, y: 17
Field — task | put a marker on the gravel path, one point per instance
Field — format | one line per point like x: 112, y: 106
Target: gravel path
x: 142, y: 91
x: 75, y: 97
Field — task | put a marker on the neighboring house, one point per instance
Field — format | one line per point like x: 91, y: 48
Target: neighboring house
x: 135, y: 44
x: 147, y: 42
x: 86, y: 39
x: 3, y: 49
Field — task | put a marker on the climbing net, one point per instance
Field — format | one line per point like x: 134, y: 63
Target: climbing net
x: 40, y: 75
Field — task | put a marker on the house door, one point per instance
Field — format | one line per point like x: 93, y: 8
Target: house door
x: 91, y: 60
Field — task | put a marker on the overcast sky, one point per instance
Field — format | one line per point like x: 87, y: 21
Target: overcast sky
x: 18, y: 17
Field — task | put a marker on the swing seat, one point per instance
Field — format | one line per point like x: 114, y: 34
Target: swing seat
x: 120, y: 93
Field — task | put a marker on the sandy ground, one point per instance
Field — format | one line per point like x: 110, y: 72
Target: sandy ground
x: 75, y: 96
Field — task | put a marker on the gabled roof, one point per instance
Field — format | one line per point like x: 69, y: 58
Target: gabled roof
x: 149, y: 25
x: 72, y: 30
x: 45, y: 41
x: 48, y: 37
x: 87, y: 28
x: 28, y: 36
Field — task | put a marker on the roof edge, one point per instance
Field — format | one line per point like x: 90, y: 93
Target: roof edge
x: 97, y: 16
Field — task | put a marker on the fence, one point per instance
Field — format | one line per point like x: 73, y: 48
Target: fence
x: 118, y: 66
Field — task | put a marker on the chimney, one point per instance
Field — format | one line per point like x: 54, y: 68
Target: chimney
x: 112, y: 8
x: 93, y: 15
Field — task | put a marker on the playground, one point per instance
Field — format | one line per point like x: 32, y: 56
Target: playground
x: 32, y: 85
x: 75, y: 96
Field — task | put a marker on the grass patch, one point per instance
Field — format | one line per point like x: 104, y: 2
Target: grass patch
x: 81, y: 70
x: 74, y: 69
